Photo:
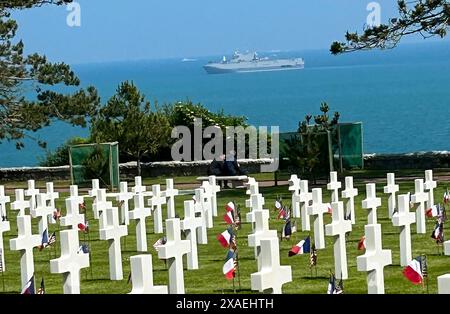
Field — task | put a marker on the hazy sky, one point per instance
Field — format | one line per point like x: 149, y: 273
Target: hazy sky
x: 148, y: 29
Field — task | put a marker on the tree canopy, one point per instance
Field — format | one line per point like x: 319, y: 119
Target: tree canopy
x: 129, y: 119
x: 425, y: 17
x: 28, y: 101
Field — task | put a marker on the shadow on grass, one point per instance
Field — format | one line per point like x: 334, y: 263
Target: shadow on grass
x: 315, y: 278
x: 228, y: 291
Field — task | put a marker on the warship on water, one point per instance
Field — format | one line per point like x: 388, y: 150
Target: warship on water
x: 251, y: 62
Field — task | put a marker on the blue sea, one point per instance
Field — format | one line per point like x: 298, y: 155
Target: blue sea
x: 402, y: 96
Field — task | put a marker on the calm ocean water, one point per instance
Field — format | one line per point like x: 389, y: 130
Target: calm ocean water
x: 401, y: 96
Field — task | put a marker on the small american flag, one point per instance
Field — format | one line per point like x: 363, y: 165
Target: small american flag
x: 57, y: 214
x: 41, y: 289
x: 159, y: 243
x: 313, y: 256
x: 52, y: 239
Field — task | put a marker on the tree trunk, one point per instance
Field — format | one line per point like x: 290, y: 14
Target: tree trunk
x: 139, y: 166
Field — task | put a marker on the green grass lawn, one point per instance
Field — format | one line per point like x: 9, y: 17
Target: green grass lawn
x: 209, y: 278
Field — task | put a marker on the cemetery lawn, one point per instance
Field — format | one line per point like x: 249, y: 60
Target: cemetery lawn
x: 209, y: 278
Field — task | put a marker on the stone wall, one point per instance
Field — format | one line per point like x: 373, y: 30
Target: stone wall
x: 421, y: 160
x: 427, y: 160
x: 127, y: 171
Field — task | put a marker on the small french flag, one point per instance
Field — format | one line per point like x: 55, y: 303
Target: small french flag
x: 229, y: 207
x: 330, y: 209
x: 304, y: 246
x: 433, y: 211
x: 229, y: 269
x: 229, y: 218
x: 278, y: 204
x: 362, y: 243
x: 224, y: 238
x: 413, y: 272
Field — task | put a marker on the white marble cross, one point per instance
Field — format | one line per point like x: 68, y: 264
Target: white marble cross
x: 391, y: 188
x: 215, y: 188
x: 203, y: 198
x: 112, y: 232
x: 447, y: 248
x: 338, y: 229
x: 123, y: 198
x: 444, y: 284
x: 371, y: 203
x: 70, y: 263
x: 25, y: 242
x: 156, y: 202
x: 74, y: 195
x: 173, y: 251
x: 261, y: 232
x: 420, y: 197
x: 4, y: 226
x: 73, y: 216
x: 317, y: 209
x: 257, y: 203
x: 19, y: 203
x: 252, y: 187
x: 142, y: 276
x: 202, y: 234
x: 253, y: 190
x: 334, y: 186
x: 95, y: 188
x: 429, y: 186
x: 294, y: 186
x: 42, y: 212
x: 374, y: 260
x: 99, y: 207
x: 403, y: 219
x: 140, y: 213
x: 52, y: 196
x: 271, y: 275
x: 304, y: 198
x: 32, y: 192
x: 207, y: 202
x: 138, y: 187
x: 189, y: 225
x: 3, y: 201
x: 170, y: 194
x: 350, y: 193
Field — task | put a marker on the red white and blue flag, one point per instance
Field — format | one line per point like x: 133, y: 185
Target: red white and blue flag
x: 229, y: 268
x: 29, y: 287
x: 230, y: 207
x: 229, y: 218
x: 225, y: 238
x: 413, y: 272
x: 278, y: 204
x: 329, y: 208
x: 362, y: 243
x: 434, y: 211
x: 304, y: 246
x: 446, y: 197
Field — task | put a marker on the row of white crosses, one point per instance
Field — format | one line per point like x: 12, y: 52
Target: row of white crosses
x: 375, y: 258
x: 301, y: 198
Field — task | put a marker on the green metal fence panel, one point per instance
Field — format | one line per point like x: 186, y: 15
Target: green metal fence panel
x: 351, y: 145
x: 95, y: 161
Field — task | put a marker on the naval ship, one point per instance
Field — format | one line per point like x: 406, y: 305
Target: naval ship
x: 250, y: 62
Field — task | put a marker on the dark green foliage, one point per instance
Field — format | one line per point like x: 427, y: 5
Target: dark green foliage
x: 305, y: 150
x: 96, y: 165
x: 60, y: 157
x: 425, y: 17
x: 129, y: 119
x: 184, y: 113
x: 20, y: 73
